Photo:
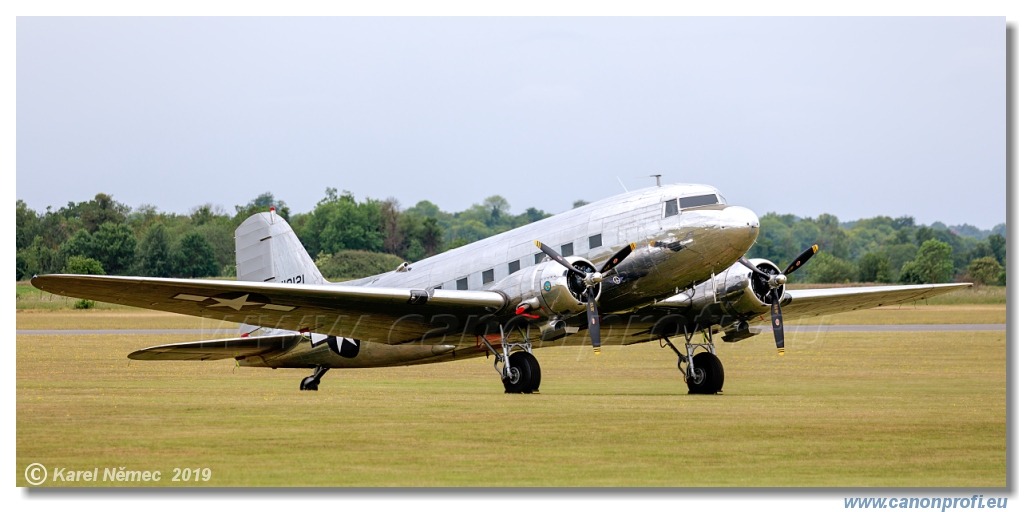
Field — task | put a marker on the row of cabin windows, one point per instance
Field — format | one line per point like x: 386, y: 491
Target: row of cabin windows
x: 672, y: 206
x: 514, y: 266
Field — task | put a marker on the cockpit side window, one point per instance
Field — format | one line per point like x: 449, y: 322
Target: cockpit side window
x: 695, y: 201
x: 671, y: 208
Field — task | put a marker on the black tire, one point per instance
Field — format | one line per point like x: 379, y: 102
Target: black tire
x: 534, y: 372
x: 309, y: 384
x: 520, y: 378
x: 709, y: 372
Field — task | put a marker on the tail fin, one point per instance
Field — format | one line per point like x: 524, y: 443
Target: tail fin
x: 267, y: 250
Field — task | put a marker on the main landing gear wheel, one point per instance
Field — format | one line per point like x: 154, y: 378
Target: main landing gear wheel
x: 312, y: 383
x: 523, y: 373
x: 708, y: 375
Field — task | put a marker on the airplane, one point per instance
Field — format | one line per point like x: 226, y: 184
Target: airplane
x: 660, y: 264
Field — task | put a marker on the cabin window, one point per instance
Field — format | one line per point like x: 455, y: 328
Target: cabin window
x: 513, y: 267
x: 539, y: 257
x: 567, y: 249
x: 671, y: 207
x: 595, y: 241
x: 695, y: 201
x: 489, y: 276
x: 462, y: 284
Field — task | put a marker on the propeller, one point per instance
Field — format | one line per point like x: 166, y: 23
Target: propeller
x: 591, y: 280
x: 775, y: 282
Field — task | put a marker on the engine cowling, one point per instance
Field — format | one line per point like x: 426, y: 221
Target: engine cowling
x: 758, y: 284
x: 729, y: 300
x: 548, y: 289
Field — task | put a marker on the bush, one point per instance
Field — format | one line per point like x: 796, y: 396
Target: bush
x: 83, y: 265
x: 356, y: 264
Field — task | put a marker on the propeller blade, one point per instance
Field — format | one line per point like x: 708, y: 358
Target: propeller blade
x: 617, y: 258
x: 558, y: 257
x: 800, y: 260
x: 593, y: 322
x: 746, y: 263
x: 780, y: 334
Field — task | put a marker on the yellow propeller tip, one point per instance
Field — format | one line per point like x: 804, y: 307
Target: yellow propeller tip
x: 597, y: 351
x: 782, y: 352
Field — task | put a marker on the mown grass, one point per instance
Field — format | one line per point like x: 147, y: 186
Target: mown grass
x: 840, y: 410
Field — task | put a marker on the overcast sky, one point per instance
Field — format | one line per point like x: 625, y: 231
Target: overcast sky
x: 852, y: 116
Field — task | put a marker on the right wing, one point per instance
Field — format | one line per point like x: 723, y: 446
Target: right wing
x: 383, y: 315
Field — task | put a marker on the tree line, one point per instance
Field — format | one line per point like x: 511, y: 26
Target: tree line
x: 351, y: 238
x: 884, y: 250
x: 347, y: 237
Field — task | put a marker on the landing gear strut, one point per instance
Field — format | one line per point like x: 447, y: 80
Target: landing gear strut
x: 312, y: 382
x: 518, y: 368
x: 704, y: 373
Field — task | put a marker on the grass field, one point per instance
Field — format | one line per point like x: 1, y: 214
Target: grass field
x: 840, y: 410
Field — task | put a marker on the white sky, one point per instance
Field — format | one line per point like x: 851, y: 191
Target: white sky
x: 851, y: 116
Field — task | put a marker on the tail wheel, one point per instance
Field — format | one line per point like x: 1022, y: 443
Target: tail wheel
x: 708, y: 375
x: 523, y: 373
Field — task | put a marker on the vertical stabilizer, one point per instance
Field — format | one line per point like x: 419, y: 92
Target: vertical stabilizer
x: 267, y: 250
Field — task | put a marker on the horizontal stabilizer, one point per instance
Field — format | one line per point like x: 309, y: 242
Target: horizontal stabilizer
x: 209, y: 350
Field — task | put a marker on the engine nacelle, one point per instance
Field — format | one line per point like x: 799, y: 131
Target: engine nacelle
x: 548, y: 289
x: 730, y: 299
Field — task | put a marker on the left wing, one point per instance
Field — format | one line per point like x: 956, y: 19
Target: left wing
x: 209, y: 350
x: 383, y: 315
x: 732, y: 312
x: 825, y: 301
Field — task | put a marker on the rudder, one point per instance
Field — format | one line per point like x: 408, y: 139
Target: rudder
x: 267, y: 250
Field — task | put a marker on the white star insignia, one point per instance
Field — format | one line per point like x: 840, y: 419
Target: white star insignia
x: 236, y: 304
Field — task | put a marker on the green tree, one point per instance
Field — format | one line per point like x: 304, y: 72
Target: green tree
x: 826, y: 268
x: 997, y: 243
x: 498, y: 209
x: 204, y: 214
x: 933, y: 264
x: 96, y: 212
x: 83, y: 265
x: 155, y: 256
x: 114, y: 247
x: 38, y: 258
x: 986, y: 270
x: 394, y: 236
x: 874, y: 267
x: 261, y: 203
x: 340, y: 222
x: 194, y: 257
x: 26, y: 225
x: 81, y: 243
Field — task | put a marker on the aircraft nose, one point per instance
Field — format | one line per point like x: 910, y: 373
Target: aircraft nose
x: 742, y: 226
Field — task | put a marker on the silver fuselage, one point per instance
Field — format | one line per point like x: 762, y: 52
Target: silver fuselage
x: 673, y: 252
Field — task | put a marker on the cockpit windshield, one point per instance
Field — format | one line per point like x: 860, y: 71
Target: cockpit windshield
x: 673, y: 206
